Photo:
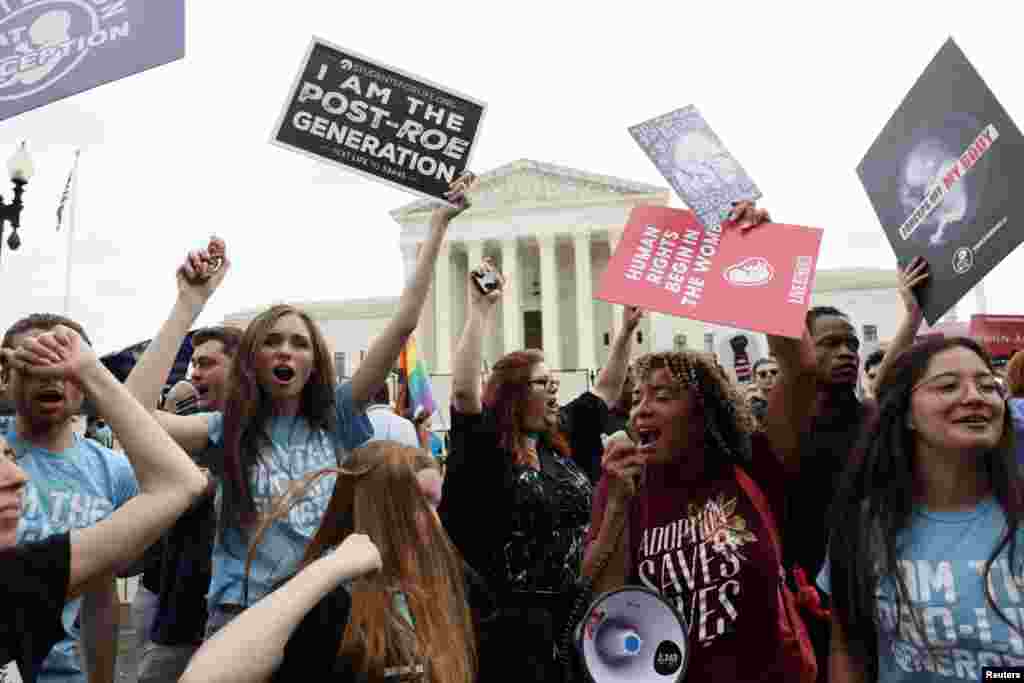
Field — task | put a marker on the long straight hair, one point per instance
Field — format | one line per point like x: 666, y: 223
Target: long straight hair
x: 506, y: 394
x: 376, y: 493
x: 875, y: 503
x: 248, y: 408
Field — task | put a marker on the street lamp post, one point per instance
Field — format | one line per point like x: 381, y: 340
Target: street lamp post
x: 21, y: 169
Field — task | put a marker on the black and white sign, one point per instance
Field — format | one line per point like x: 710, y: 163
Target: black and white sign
x: 383, y: 123
x: 941, y: 175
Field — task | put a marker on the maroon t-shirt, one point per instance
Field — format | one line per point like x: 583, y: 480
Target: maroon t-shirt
x: 702, y: 545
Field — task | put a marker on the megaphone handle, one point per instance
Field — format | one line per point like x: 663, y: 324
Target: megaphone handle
x: 584, y: 596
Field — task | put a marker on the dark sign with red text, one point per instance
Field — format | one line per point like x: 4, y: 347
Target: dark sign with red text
x: 668, y: 261
x: 377, y: 121
x: 941, y: 176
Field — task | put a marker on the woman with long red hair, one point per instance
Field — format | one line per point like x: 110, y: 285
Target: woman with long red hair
x: 516, y: 496
x: 380, y: 594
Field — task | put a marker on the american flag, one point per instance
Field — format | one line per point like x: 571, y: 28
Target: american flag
x: 67, y: 192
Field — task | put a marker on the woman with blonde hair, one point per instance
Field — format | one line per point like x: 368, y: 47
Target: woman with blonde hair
x: 339, y: 618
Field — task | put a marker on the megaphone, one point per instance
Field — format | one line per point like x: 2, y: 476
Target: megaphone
x: 632, y: 634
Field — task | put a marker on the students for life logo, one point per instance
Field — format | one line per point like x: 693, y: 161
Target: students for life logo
x: 750, y: 272
x: 41, y: 42
x: 963, y: 260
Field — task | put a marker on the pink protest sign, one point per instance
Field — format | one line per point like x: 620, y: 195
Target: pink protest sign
x: 761, y: 280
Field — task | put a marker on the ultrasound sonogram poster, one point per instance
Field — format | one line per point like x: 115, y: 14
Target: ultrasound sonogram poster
x: 940, y: 177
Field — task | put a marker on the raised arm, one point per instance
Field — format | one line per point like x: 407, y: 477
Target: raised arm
x: 791, y: 400
x: 262, y: 631
x: 100, y: 612
x: 380, y: 358
x: 197, y: 281
x: 606, y: 560
x: 843, y: 667
x: 469, y: 351
x: 913, y: 275
x: 613, y: 374
x: 169, y: 482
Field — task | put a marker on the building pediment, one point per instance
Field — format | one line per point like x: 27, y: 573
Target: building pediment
x: 527, y: 184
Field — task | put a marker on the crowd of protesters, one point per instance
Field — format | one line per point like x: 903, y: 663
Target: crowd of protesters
x: 824, y: 522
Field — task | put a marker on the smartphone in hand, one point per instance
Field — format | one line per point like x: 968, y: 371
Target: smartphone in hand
x: 486, y: 281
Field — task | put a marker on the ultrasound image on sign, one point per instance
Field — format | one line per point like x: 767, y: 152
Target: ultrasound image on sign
x: 940, y: 176
x: 378, y: 121
x: 695, y: 163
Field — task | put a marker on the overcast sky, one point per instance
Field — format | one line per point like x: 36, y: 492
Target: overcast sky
x: 797, y: 91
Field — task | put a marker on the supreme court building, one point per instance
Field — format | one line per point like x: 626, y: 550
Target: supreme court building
x: 551, y: 231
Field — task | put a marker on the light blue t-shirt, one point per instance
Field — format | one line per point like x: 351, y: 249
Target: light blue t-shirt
x: 70, y: 490
x: 942, y: 567
x: 296, y: 452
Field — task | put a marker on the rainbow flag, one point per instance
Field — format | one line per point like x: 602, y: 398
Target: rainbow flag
x: 416, y: 395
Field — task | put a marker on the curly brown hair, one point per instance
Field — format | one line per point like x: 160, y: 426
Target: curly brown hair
x: 728, y: 423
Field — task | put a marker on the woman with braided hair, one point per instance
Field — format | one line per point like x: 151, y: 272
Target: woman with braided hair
x: 686, y: 508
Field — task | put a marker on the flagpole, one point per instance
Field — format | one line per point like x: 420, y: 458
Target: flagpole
x: 72, y: 219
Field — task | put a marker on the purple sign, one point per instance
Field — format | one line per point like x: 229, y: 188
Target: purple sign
x: 52, y: 49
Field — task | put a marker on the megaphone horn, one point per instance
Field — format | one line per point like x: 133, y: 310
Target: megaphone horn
x: 632, y: 634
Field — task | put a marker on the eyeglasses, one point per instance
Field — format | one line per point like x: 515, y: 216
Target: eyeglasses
x: 763, y: 374
x: 544, y: 383
x: 987, y: 385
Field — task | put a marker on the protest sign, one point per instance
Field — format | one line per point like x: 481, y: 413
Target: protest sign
x: 940, y: 175
x: 667, y: 261
x: 695, y: 163
x: 1001, y: 335
x: 375, y: 120
x: 52, y: 49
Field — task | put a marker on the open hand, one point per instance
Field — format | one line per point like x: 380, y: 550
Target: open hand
x: 202, y: 272
x: 745, y: 215
x: 59, y: 353
x: 913, y: 275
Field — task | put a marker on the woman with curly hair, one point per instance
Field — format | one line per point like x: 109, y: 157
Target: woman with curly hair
x: 687, y: 508
x: 922, y: 564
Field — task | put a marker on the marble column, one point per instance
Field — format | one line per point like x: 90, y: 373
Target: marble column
x: 511, y: 307
x: 443, y: 310
x: 585, y: 333
x: 614, y: 235
x: 549, y: 301
x: 410, y: 252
